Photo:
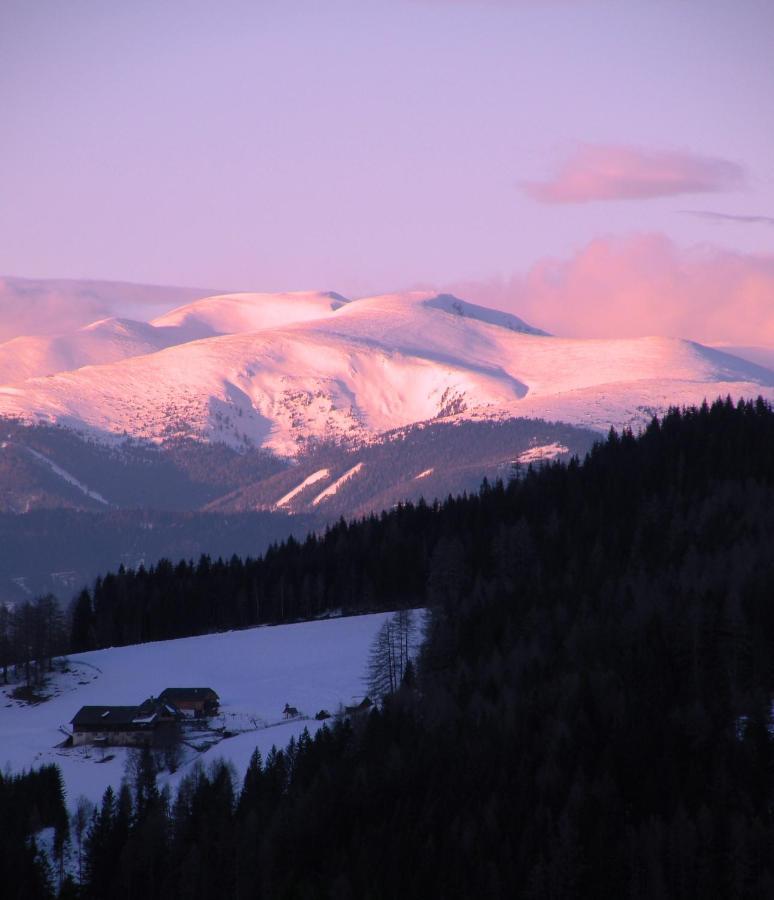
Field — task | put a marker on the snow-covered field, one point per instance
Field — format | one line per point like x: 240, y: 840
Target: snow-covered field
x: 310, y: 665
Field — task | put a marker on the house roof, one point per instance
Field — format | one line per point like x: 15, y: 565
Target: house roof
x: 157, y: 705
x: 110, y: 718
x: 188, y: 693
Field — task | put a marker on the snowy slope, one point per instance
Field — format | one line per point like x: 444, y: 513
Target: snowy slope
x: 375, y: 364
x: 311, y: 665
x: 104, y: 341
x: 309, y: 480
x: 112, y: 339
x: 334, y: 488
x: 67, y: 477
x: 762, y: 356
x: 234, y: 313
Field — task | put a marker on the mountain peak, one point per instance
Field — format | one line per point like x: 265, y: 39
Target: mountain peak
x: 248, y: 311
x: 451, y: 304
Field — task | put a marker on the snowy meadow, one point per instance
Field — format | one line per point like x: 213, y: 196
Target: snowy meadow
x: 310, y: 665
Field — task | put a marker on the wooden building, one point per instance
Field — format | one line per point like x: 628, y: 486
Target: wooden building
x: 193, y: 701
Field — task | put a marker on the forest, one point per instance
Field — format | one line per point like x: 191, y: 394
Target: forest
x: 29, y: 802
x: 138, y: 504
x: 589, y: 715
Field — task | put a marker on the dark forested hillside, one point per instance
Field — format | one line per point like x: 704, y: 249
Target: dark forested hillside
x: 590, y: 717
x: 427, y: 459
x: 58, y: 550
x: 621, y: 502
x: 72, y: 507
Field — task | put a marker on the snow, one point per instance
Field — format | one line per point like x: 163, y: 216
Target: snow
x: 316, y: 367
x: 113, y: 339
x: 333, y: 488
x: 424, y: 474
x: 311, y: 665
x: 105, y: 341
x: 762, y: 356
x: 235, y: 313
x: 542, y: 453
x: 458, y: 307
x: 310, y: 479
x: 66, y: 476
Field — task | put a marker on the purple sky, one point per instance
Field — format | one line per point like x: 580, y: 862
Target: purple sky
x: 370, y: 145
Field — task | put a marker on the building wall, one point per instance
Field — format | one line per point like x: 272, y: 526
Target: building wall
x: 198, y: 708
x: 112, y: 738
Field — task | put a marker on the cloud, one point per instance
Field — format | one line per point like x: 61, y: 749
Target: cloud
x: 44, y: 307
x: 616, y: 172
x: 642, y: 285
x: 728, y: 217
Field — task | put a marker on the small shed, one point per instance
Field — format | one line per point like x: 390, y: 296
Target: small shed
x: 193, y: 701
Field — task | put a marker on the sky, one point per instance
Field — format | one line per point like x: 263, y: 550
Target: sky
x: 598, y: 167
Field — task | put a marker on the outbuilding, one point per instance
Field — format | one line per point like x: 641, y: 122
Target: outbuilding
x: 193, y: 701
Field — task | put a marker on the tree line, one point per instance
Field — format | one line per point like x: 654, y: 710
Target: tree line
x: 31, y: 635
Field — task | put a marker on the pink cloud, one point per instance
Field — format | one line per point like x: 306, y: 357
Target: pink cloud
x: 642, y: 285
x: 599, y: 172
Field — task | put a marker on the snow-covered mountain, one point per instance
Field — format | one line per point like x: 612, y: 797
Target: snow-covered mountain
x: 112, y: 339
x: 762, y: 356
x: 301, y: 367
x: 105, y: 341
x: 235, y: 313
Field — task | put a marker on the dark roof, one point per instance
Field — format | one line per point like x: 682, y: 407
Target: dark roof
x: 188, y: 693
x: 109, y: 717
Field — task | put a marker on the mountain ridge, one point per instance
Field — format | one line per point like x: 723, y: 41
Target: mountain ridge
x: 349, y: 370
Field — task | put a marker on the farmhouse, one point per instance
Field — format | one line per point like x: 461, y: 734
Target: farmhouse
x: 197, y: 701
x: 124, y: 726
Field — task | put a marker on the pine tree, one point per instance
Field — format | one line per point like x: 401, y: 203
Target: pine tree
x: 252, y: 794
x: 146, y: 792
x: 80, y: 823
x: 99, y: 846
x: 82, y: 623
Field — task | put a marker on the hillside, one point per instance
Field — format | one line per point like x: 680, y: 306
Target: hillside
x: 58, y: 551
x: 111, y: 339
x: 312, y: 665
x: 430, y: 460
x: 237, y: 313
x: 72, y: 508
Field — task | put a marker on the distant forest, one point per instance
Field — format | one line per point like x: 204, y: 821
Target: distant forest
x: 590, y: 714
x: 138, y: 504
